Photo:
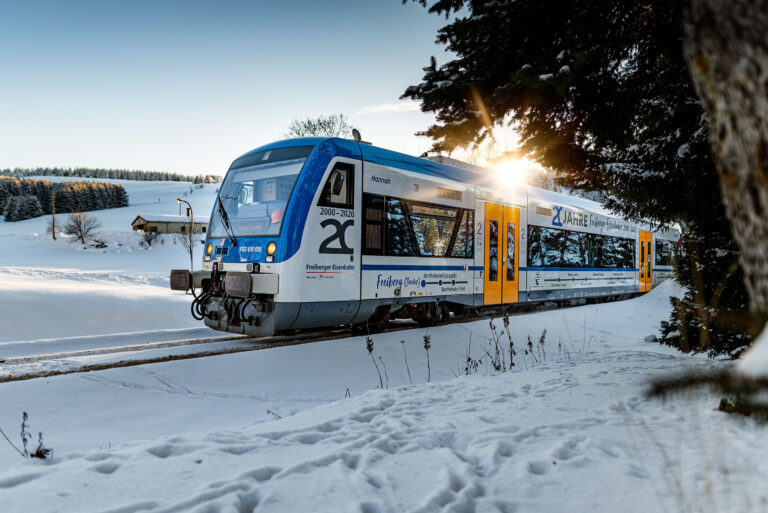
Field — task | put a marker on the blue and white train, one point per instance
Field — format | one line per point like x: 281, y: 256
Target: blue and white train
x: 320, y: 232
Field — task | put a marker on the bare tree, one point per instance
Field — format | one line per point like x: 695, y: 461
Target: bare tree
x: 82, y: 226
x: 189, y: 240
x: 334, y: 125
x: 727, y: 53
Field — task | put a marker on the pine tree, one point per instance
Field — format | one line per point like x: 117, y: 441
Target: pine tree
x: 19, y: 208
x: 599, y: 91
x: 10, y: 209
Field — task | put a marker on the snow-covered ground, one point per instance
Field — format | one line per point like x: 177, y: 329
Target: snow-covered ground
x: 272, y: 430
x: 52, y: 289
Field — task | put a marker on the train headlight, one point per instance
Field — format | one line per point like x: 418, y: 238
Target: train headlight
x: 209, y: 249
x: 271, y: 248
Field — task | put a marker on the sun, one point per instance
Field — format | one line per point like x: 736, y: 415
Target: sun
x: 512, y: 172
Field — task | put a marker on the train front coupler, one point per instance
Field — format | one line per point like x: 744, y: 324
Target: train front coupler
x: 234, y: 301
x: 183, y: 280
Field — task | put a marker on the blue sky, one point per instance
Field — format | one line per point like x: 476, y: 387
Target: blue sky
x: 188, y: 86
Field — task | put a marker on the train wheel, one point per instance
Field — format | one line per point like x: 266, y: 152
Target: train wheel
x: 427, y: 314
x: 376, y: 323
x: 445, y: 312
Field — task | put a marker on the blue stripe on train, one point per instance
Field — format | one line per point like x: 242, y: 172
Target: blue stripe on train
x: 592, y: 269
x: 389, y: 267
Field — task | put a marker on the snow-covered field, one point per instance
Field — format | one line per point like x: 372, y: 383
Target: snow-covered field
x: 272, y: 430
x: 53, y: 289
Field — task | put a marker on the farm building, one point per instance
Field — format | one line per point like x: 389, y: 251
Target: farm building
x: 168, y: 224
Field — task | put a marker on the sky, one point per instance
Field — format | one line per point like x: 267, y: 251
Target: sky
x: 188, y: 86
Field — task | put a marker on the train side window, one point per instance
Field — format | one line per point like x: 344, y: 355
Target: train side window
x: 664, y: 252
x: 575, y: 249
x: 433, y: 227
x: 399, y: 238
x: 373, y: 223
x: 339, y: 189
x: 471, y: 231
x: 551, y: 247
x: 464, y: 242
x: 627, y: 248
x: 534, y: 247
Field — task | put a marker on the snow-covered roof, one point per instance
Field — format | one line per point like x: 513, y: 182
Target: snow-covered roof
x: 164, y: 218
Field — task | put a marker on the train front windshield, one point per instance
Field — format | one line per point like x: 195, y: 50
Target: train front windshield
x: 256, y: 191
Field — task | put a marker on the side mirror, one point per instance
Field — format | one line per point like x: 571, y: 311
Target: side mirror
x: 338, y: 183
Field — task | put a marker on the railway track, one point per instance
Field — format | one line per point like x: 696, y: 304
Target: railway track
x: 56, y: 364
x: 21, y: 368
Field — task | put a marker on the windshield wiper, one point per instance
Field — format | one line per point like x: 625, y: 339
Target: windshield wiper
x: 225, y: 218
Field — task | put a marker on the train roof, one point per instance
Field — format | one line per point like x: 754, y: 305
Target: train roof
x: 545, y: 195
x: 441, y: 168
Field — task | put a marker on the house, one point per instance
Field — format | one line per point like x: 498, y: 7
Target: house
x: 168, y: 224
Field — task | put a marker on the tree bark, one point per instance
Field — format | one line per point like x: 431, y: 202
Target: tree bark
x: 726, y: 48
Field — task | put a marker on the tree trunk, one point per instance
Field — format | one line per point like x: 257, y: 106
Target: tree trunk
x: 726, y: 48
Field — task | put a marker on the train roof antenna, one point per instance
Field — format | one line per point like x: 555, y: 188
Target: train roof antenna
x: 357, y: 137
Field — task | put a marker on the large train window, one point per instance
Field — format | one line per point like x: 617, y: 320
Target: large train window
x: 339, y: 189
x: 397, y: 227
x: 551, y: 247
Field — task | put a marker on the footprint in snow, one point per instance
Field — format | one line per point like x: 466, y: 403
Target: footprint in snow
x: 539, y: 468
x: 166, y: 450
x: 106, y: 468
x: 14, y: 481
x: 568, y: 449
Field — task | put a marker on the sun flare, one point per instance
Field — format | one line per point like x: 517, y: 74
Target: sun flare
x: 513, y: 172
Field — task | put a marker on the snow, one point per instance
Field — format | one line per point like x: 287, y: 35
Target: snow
x: 754, y: 362
x: 271, y: 430
x: 96, y: 291
x: 683, y: 150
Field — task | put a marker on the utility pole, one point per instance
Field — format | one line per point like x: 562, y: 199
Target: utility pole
x: 189, y: 238
x: 53, y: 213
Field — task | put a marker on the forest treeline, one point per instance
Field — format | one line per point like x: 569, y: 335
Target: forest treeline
x: 22, y: 198
x: 114, y: 174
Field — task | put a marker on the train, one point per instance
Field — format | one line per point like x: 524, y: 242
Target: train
x: 327, y: 232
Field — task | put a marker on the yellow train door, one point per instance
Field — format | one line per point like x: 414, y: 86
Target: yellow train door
x: 509, y: 259
x: 502, y: 235
x: 645, y: 261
